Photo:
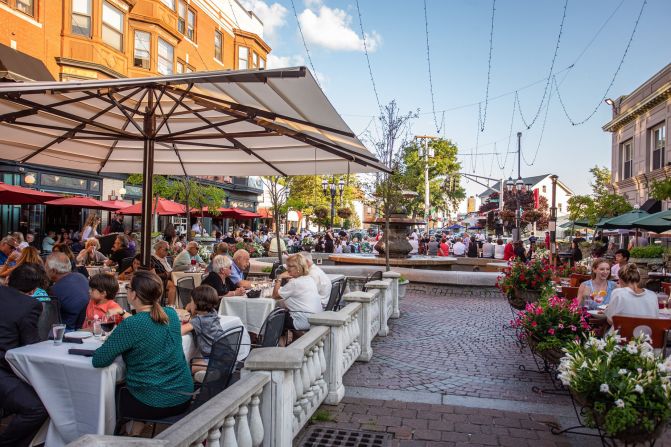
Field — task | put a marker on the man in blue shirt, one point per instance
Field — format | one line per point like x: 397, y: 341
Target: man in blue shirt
x: 239, y: 266
x: 8, y: 253
x: 70, y: 288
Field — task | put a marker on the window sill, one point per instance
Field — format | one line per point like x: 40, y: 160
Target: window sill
x: 219, y: 62
x: 21, y: 15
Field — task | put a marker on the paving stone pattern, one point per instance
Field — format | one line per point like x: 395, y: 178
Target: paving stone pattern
x: 451, y: 340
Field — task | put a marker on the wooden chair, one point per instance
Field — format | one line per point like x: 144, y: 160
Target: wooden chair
x: 656, y: 328
x: 570, y: 292
x: 577, y: 279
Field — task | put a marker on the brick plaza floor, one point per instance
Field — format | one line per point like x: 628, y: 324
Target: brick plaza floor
x: 448, y: 374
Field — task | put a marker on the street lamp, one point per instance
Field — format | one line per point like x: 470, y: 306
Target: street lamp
x: 332, y: 188
x: 517, y: 188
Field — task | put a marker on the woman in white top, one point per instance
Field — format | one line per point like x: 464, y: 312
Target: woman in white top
x: 630, y: 299
x: 90, y: 227
x: 90, y: 253
x: 499, y: 249
x: 299, y: 295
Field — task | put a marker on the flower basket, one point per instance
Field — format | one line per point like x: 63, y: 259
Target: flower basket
x: 552, y: 356
x: 344, y: 213
x: 520, y: 297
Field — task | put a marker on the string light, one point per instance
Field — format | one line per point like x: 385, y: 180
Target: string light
x: 489, y: 67
x: 540, y: 139
x: 428, y: 61
x: 549, y: 78
x: 365, y: 49
x: 307, y: 51
x: 612, y: 81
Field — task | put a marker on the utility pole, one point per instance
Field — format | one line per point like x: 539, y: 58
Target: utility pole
x: 426, y: 154
x: 552, y: 227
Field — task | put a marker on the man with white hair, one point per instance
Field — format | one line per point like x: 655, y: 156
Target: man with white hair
x: 71, y: 289
x: 219, y: 279
x: 322, y: 281
x: 184, y: 260
x: 239, y: 266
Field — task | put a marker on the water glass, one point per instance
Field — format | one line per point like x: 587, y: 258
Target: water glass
x: 58, y: 330
x: 97, y: 329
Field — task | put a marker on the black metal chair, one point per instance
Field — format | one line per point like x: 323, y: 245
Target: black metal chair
x: 125, y: 263
x: 273, y: 270
x: 334, y: 298
x: 184, y: 287
x: 220, y: 367
x: 272, y: 328
x: 51, y: 314
x: 375, y: 276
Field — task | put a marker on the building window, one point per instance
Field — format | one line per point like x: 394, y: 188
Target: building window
x: 142, y: 50
x: 218, y: 46
x: 545, y: 188
x: 26, y: 7
x: 627, y: 159
x: 191, y: 24
x: 180, y: 67
x: 112, y: 26
x: 166, y: 54
x: 81, y: 17
x: 658, y: 145
x: 559, y: 206
x: 255, y: 60
x: 169, y: 3
x: 181, y: 17
x: 190, y: 69
x: 262, y: 63
x: 243, y: 58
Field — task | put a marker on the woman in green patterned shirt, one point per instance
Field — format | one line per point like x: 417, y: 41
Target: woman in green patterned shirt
x: 150, y: 342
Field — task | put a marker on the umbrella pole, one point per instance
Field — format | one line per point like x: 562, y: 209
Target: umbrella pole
x: 148, y: 176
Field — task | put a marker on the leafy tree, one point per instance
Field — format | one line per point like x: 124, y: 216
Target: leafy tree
x: 661, y: 189
x: 601, y: 203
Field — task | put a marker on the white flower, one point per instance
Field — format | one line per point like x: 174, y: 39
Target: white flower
x: 622, y: 372
x: 632, y: 349
x: 661, y: 367
x: 619, y: 403
x: 584, y: 365
x: 640, y: 370
x: 604, y: 388
x: 600, y: 345
x: 638, y: 389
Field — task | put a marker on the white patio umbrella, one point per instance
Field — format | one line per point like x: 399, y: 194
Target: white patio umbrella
x: 240, y: 123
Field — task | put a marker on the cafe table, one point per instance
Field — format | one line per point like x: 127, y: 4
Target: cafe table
x: 197, y: 277
x: 79, y: 398
x: 251, y: 311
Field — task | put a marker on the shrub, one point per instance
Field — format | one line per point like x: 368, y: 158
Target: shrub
x: 649, y: 251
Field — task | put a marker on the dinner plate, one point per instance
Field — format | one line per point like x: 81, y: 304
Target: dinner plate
x: 596, y: 313
x: 79, y: 334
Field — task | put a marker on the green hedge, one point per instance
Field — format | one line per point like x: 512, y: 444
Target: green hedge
x: 649, y: 251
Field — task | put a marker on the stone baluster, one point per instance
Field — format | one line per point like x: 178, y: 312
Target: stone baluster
x: 306, y: 398
x: 255, y: 421
x: 229, y: 432
x: 365, y: 320
x: 382, y: 286
x: 278, y: 398
x: 323, y: 366
x: 213, y: 436
x: 394, y: 276
x: 244, y: 436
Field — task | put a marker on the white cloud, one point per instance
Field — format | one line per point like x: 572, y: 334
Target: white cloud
x: 273, y: 16
x: 331, y: 28
x: 275, y: 61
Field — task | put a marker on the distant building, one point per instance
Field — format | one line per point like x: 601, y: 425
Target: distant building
x: 471, y: 205
x: 543, y: 184
x: 639, y: 151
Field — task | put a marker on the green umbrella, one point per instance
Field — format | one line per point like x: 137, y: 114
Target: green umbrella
x: 658, y: 222
x: 623, y: 221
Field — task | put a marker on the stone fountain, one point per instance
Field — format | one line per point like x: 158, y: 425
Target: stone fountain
x: 399, y: 223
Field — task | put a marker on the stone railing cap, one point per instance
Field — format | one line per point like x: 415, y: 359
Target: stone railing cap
x: 391, y: 275
x: 382, y: 284
x: 359, y: 297
x: 114, y: 441
x: 274, y: 358
x: 328, y: 318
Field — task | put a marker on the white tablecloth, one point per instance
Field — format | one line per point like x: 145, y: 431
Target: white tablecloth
x: 251, y: 311
x: 78, y: 397
x: 227, y: 322
x: 197, y: 277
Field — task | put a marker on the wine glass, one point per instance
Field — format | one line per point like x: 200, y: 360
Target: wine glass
x: 193, y: 265
x: 107, y: 324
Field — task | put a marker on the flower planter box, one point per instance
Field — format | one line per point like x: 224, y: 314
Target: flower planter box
x: 401, y: 288
x: 520, y: 297
x: 552, y: 356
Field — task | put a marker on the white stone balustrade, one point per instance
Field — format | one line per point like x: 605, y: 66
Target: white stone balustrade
x: 369, y: 319
x: 385, y: 302
x: 343, y: 347
x: 395, y: 277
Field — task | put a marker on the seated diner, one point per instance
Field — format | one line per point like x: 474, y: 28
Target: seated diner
x: 598, y: 290
x: 630, y: 299
x: 299, y: 295
x: 219, y: 277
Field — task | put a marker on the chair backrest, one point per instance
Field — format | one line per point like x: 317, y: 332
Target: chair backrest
x: 271, y: 331
x: 184, y: 287
x: 273, y: 270
x: 334, y: 298
x: 125, y: 263
x: 578, y: 278
x: 375, y: 276
x: 51, y: 314
x: 656, y: 328
x: 220, y: 366
x: 106, y: 243
x: 570, y: 292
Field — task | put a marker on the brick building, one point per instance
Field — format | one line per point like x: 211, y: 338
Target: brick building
x: 639, y: 151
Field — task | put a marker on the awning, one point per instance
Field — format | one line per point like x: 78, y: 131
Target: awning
x: 658, y: 222
x: 164, y: 207
x: 19, y: 67
x: 81, y: 202
x: 18, y: 195
x: 265, y: 213
x: 625, y: 220
x: 652, y: 206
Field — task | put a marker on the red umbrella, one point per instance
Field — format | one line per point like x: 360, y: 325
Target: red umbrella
x: 247, y: 214
x: 223, y: 212
x: 18, y: 195
x: 81, y: 202
x: 165, y: 208
x: 114, y: 205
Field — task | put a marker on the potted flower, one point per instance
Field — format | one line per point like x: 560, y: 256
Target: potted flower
x: 321, y: 213
x: 344, y: 213
x: 549, y: 326
x: 522, y: 283
x: 402, y: 284
x: 308, y: 243
x: 625, y: 388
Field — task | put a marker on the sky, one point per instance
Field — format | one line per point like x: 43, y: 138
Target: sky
x: 593, y: 39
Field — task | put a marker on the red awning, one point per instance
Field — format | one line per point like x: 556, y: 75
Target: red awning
x: 80, y: 202
x: 247, y: 214
x: 115, y: 204
x: 18, y: 195
x: 265, y: 213
x: 165, y: 208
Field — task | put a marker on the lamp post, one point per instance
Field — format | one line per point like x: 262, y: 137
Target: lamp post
x: 552, y: 227
x: 517, y: 188
x: 333, y: 189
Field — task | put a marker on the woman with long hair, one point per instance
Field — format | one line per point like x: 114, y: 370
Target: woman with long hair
x: 90, y: 227
x: 29, y: 255
x: 630, y: 298
x: 158, y: 378
x: 597, y: 291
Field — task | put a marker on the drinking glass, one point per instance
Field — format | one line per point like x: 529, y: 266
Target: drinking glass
x: 107, y: 324
x: 97, y: 329
x: 58, y: 330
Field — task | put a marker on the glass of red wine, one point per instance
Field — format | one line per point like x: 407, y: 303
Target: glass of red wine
x: 107, y: 324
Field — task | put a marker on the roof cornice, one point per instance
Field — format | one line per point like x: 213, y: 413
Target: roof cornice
x: 647, y: 103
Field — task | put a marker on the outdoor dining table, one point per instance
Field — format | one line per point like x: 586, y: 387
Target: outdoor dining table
x: 197, y: 277
x: 251, y: 311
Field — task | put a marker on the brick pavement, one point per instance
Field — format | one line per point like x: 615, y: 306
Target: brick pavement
x: 448, y: 374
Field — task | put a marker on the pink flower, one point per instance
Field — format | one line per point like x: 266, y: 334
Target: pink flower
x: 551, y: 331
x: 573, y: 328
x: 534, y: 324
x: 560, y: 326
x: 539, y: 310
